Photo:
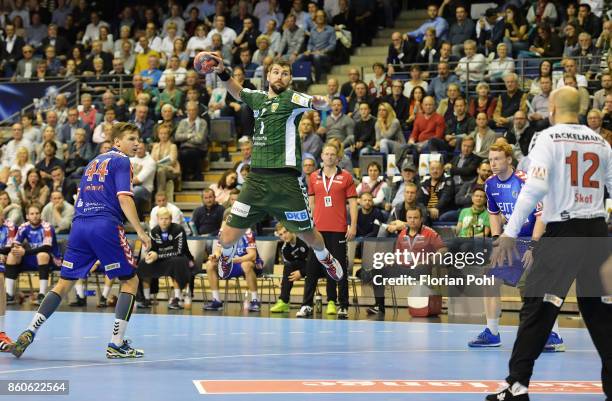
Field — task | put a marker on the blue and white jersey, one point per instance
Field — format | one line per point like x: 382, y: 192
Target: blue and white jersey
x: 502, y: 196
x: 106, y: 177
x: 8, y: 231
x: 37, y: 236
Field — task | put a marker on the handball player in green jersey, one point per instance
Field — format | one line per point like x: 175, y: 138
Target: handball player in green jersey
x: 274, y: 186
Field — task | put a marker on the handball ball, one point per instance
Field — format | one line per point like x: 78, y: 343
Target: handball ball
x: 203, y: 63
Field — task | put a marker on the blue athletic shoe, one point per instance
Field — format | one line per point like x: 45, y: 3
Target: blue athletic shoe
x: 254, y: 306
x: 215, y: 305
x: 114, y: 351
x: 554, y: 343
x: 486, y: 339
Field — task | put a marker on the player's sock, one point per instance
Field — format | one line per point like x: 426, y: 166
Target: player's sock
x: 321, y: 254
x: 216, y: 295
x: 123, y: 312
x: 45, y: 310
x: 556, y: 326
x: 1, y: 323
x: 177, y: 293
x: 493, y: 325
x: 10, y: 286
x: 147, y: 293
x: 80, y: 289
x: 43, y: 284
x: 254, y: 296
x: 106, y: 291
x: 518, y: 389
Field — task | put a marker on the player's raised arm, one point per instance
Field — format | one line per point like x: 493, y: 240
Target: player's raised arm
x: 320, y: 103
x: 233, y: 87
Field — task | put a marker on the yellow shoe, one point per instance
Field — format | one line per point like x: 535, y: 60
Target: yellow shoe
x: 331, y: 308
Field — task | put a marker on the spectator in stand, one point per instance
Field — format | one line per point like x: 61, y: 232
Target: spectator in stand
x: 199, y: 41
x: 30, y: 132
x: 247, y: 39
x: 167, y: 46
x: 174, y: 68
x: 415, y: 105
x: 294, y: 252
x: 428, y: 126
x: 409, y: 175
x: 246, y: 64
x: 337, y: 124
x: 22, y: 163
x: 109, y: 118
x: 174, y: 19
x: 165, y: 155
x: 520, y: 135
x: 223, y: 187
x: 321, y: 45
x: 389, y: 135
x: 208, y: 217
x: 58, y: 213
x: 217, y: 45
x: 428, y: 49
x: 10, y: 50
x: 10, y: 149
x: 272, y: 14
x: 545, y: 70
x: 415, y: 80
x: 380, y: 85
x: 542, y: 11
x: 143, y: 170
x: 142, y: 57
x: 509, y: 102
x: 125, y: 36
x: 547, y: 43
x: 161, y: 201
x: 594, y: 120
x: 292, y: 40
x: 587, y: 21
x: 78, y: 154
x: 588, y: 56
x: 246, y: 150
x: 448, y: 11
x: 11, y: 211
x: 144, y: 123
x: 92, y: 31
x: 599, y: 98
x: 311, y: 142
x: 462, y: 168
x: 369, y: 218
x: 571, y: 68
x: 483, y: 136
x: 170, y: 95
x: 363, y: 22
x: 447, y: 105
x: 34, y: 190
x: 97, y: 52
x: 273, y: 36
x: 192, y: 135
x: 438, y: 86
x: 605, y: 39
x: 570, y: 35
x: 436, y: 192
x: 585, y: 98
x: 54, y: 65
x: 538, y: 113
x: 444, y: 55
x: 360, y: 95
x: 471, y: 68
x: 59, y: 183
x: 348, y: 88
x: 516, y: 31
x: 439, y: 24
x: 463, y: 195
x: 459, y: 125
x: 228, y: 35
x: 483, y: 103
x: 169, y: 256
x: 499, y: 66
x: 49, y: 160
x: 397, y: 218
x: 26, y: 66
x: 88, y: 113
x: 399, y: 102
x: 152, y: 74
x: 461, y: 30
x: 48, y: 135
x: 365, y: 133
x: 126, y: 60
x: 473, y: 221
x: 375, y: 184
x: 400, y: 55
x: 263, y: 49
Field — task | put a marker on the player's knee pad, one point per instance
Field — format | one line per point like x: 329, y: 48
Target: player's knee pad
x: 43, y: 272
x: 11, y: 271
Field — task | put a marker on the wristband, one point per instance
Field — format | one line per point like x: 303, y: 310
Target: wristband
x: 532, y: 245
x: 224, y: 76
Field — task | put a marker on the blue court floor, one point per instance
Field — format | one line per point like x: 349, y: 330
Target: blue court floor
x: 182, y: 349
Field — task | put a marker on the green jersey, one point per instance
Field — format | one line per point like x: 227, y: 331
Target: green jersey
x: 276, y: 141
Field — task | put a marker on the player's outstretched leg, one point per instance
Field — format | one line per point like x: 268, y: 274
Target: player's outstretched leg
x: 48, y: 305
x: 315, y: 240
x: 5, y: 341
x: 118, y: 347
x: 228, y: 239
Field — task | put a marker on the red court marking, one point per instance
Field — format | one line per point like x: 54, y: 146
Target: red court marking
x: 386, y: 386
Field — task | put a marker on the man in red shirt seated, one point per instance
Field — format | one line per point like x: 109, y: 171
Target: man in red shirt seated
x: 417, y: 241
x: 428, y: 130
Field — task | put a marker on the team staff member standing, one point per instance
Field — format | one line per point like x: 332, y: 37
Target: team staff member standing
x: 329, y: 189
x: 570, y: 165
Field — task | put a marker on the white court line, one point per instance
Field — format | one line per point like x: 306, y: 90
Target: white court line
x: 239, y: 333
x: 355, y: 331
x: 208, y: 334
x: 199, y: 358
x: 296, y: 332
x: 90, y: 337
x: 150, y: 335
x: 445, y: 331
x: 267, y: 333
x: 179, y: 335
x: 62, y: 338
x: 384, y: 331
x: 326, y: 331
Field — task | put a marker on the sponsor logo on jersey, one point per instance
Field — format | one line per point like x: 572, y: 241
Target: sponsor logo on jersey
x: 274, y: 107
x: 299, y: 100
x: 67, y: 265
x: 302, y: 215
x: 112, y: 266
x: 564, y: 215
x: 539, y: 172
x: 499, y: 185
x: 241, y: 209
x: 255, y: 113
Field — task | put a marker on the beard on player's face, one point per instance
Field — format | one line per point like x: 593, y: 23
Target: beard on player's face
x: 278, y: 87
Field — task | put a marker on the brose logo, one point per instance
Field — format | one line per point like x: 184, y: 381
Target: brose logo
x: 241, y: 209
x: 302, y: 215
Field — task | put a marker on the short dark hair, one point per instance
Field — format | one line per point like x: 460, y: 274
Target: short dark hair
x: 120, y: 129
x: 479, y: 189
x: 282, y: 64
x: 52, y: 143
x: 413, y: 208
x: 375, y: 164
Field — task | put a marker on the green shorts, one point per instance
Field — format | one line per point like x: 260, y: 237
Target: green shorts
x: 281, y: 195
